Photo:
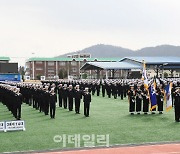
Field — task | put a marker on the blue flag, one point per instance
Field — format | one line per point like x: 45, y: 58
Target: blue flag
x: 152, y: 92
x: 168, y: 97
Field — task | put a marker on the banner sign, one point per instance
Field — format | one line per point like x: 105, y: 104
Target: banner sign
x: 15, y: 125
x: 2, y: 126
x: 12, y: 125
x: 10, y: 77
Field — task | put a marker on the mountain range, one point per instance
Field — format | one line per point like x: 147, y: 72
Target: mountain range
x: 102, y: 50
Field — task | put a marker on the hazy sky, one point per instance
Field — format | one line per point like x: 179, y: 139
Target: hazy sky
x: 54, y: 27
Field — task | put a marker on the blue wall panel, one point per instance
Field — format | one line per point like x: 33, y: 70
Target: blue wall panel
x: 10, y: 77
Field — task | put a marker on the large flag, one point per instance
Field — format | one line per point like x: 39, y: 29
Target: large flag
x: 144, y: 76
x: 152, y: 92
x: 168, y: 96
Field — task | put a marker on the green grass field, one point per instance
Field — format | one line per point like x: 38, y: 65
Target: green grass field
x: 107, y: 116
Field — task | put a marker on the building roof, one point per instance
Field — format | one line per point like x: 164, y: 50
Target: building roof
x: 71, y: 59
x: 109, y: 66
x: 154, y: 60
x: 4, y: 58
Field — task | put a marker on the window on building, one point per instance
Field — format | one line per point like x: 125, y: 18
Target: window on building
x: 50, y: 71
x: 75, y: 56
x: 3, y: 61
x: 27, y: 69
x: 85, y: 56
x: 62, y: 63
x: 116, y: 75
x: 27, y: 65
x: 39, y: 68
x: 74, y: 69
x: 51, y: 75
x: 74, y: 63
x: 50, y: 63
x: 39, y: 62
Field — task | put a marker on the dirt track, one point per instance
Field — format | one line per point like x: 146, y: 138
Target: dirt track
x: 148, y: 149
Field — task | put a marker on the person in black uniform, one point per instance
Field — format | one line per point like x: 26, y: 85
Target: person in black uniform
x: 93, y: 88
x: 120, y: 90
x: 30, y: 95
x: 40, y: 96
x: 36, y: 97
x: 103, y: 89
x: 60, y: 92
x: 138, y: 99
x: 18, y: 102
x: 87, y: 101
x: 172, y: 94
x: 132, y: 95
x: 65, y: 95
x: 108, y: 89
x: 145, y: 96
x: 115, y: 90
x: 12, y: 105
x: 53, y: 100
x: 78, y: 97
x: 177, y: 104
x: 160, y: 99
x: 98, y: 86
x: 70, y: 97
x: 125, y: 89
x: 12, y: 98
x: 46, y: 100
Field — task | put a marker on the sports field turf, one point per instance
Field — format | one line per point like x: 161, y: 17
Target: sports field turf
x: 107, y: 116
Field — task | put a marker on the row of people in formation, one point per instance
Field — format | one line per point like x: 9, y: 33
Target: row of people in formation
x: 115, y: 88
x: 11, y: 97
x: 44, y: 98
x: 137, y: 97
x: 37, y: 94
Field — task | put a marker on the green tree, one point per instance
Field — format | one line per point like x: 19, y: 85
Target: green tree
x: 61, y: 74
x: 84, y: 76
x: 38, y: 77
x: 165, y: 75
x: 21, y: 71
x: 65, y: 74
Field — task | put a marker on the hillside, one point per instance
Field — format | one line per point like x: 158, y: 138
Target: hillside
x: 102, y: 50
